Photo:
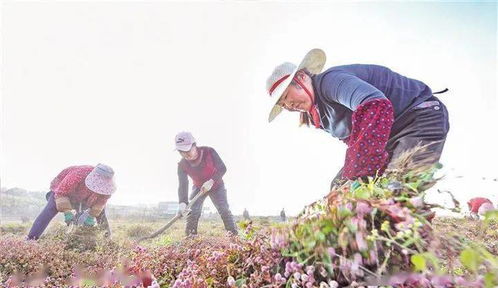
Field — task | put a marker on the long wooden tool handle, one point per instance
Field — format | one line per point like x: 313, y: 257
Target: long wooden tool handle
x: 174, y: 219
x: 170, y: 222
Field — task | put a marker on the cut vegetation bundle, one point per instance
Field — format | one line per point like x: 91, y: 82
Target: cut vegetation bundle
x: 378, y: 231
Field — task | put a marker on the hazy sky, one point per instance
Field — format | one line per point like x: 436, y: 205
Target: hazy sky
x: 84, y: 83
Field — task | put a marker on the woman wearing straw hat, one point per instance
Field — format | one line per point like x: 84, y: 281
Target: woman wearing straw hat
x: 84, y: 185
x: 377, y: 112
x: 206, y: 169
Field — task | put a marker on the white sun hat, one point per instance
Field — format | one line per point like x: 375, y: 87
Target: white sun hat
x: 100, y: 180
x: 485, y: 207
x: 283, y: 74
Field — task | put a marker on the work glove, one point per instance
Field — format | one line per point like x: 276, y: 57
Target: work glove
x: 182, y: 209
x: 207, y: 185
x: 89, y: 221
x: 68, y: 217
x: 355, y: 185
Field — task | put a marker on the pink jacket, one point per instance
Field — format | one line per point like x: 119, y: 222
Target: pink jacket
x: 69, y: 187
x: 475, y: 203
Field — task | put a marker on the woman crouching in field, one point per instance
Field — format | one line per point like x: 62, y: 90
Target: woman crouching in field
x: 77, y: 187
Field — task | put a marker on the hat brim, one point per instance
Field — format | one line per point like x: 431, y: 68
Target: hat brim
x: 185, y: 148
x: 313, y: 61
x: 279, y: 90
x: 99, y: 184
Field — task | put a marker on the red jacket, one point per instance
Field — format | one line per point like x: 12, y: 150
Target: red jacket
x: 211, y: 167
x: 69, y: 186
x: 476, y: 202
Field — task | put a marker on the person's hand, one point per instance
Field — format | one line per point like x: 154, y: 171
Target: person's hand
x: 182, y: 209
x: 68, y: 217
x: 207, y: 185
x: 89, y: 221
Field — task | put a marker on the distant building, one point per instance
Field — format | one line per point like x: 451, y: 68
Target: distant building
x: 171, y: 208
x: 124, y: 211
x: 168, y: 208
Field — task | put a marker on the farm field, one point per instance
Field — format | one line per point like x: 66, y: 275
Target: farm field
x: 380, y: 232
x: 176, y: 261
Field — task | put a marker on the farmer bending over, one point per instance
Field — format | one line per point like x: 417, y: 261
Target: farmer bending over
x: 84, y: 186
x: 478, y: 206
x: 377, y: 112
x: 206, y: 169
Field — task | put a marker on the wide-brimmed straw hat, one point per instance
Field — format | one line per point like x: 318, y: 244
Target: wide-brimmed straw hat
x: 100, y: 180
x: 283, y: 74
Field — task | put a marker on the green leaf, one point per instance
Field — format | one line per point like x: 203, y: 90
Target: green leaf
x: 343, y: 212
x: 490, y: 280
x: 310, y: 244
x: 409, y: 242
x: 344, y: 238
x: 380, y: 192
x: 490, y: 216
x: 385, y: 226
x: 470, y: 259
x: 87, y: 283
x: 418, y: 260
x: 320, y: 236
x: 352, y: 227
x: 328, y: 263
x: 413, y: 186
x: 434, y: 261
x: 362, y: 193
x: 328, y: 228
x: 240, y: 282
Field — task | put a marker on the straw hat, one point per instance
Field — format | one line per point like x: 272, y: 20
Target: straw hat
x: 283, y: 74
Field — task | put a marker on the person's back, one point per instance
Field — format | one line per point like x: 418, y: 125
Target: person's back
x: 403, y: 92
x: 478, y: 206
x: 377, y: 112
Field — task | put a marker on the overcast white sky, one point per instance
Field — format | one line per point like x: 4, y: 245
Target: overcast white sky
x: 84, y: 83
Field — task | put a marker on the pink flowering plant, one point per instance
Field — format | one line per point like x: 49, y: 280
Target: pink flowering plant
x: 373, y: 232
x: 378, y: 231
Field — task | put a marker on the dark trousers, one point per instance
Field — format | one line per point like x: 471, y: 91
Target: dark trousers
x: 219, y: 198
x: 420, y: 126
x: 48, y: 213
x: 427, y: 126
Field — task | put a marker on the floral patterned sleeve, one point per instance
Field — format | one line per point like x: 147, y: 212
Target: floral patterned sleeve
x: 57, y: 180
x: 366, y: 154
x: 70, y: 181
